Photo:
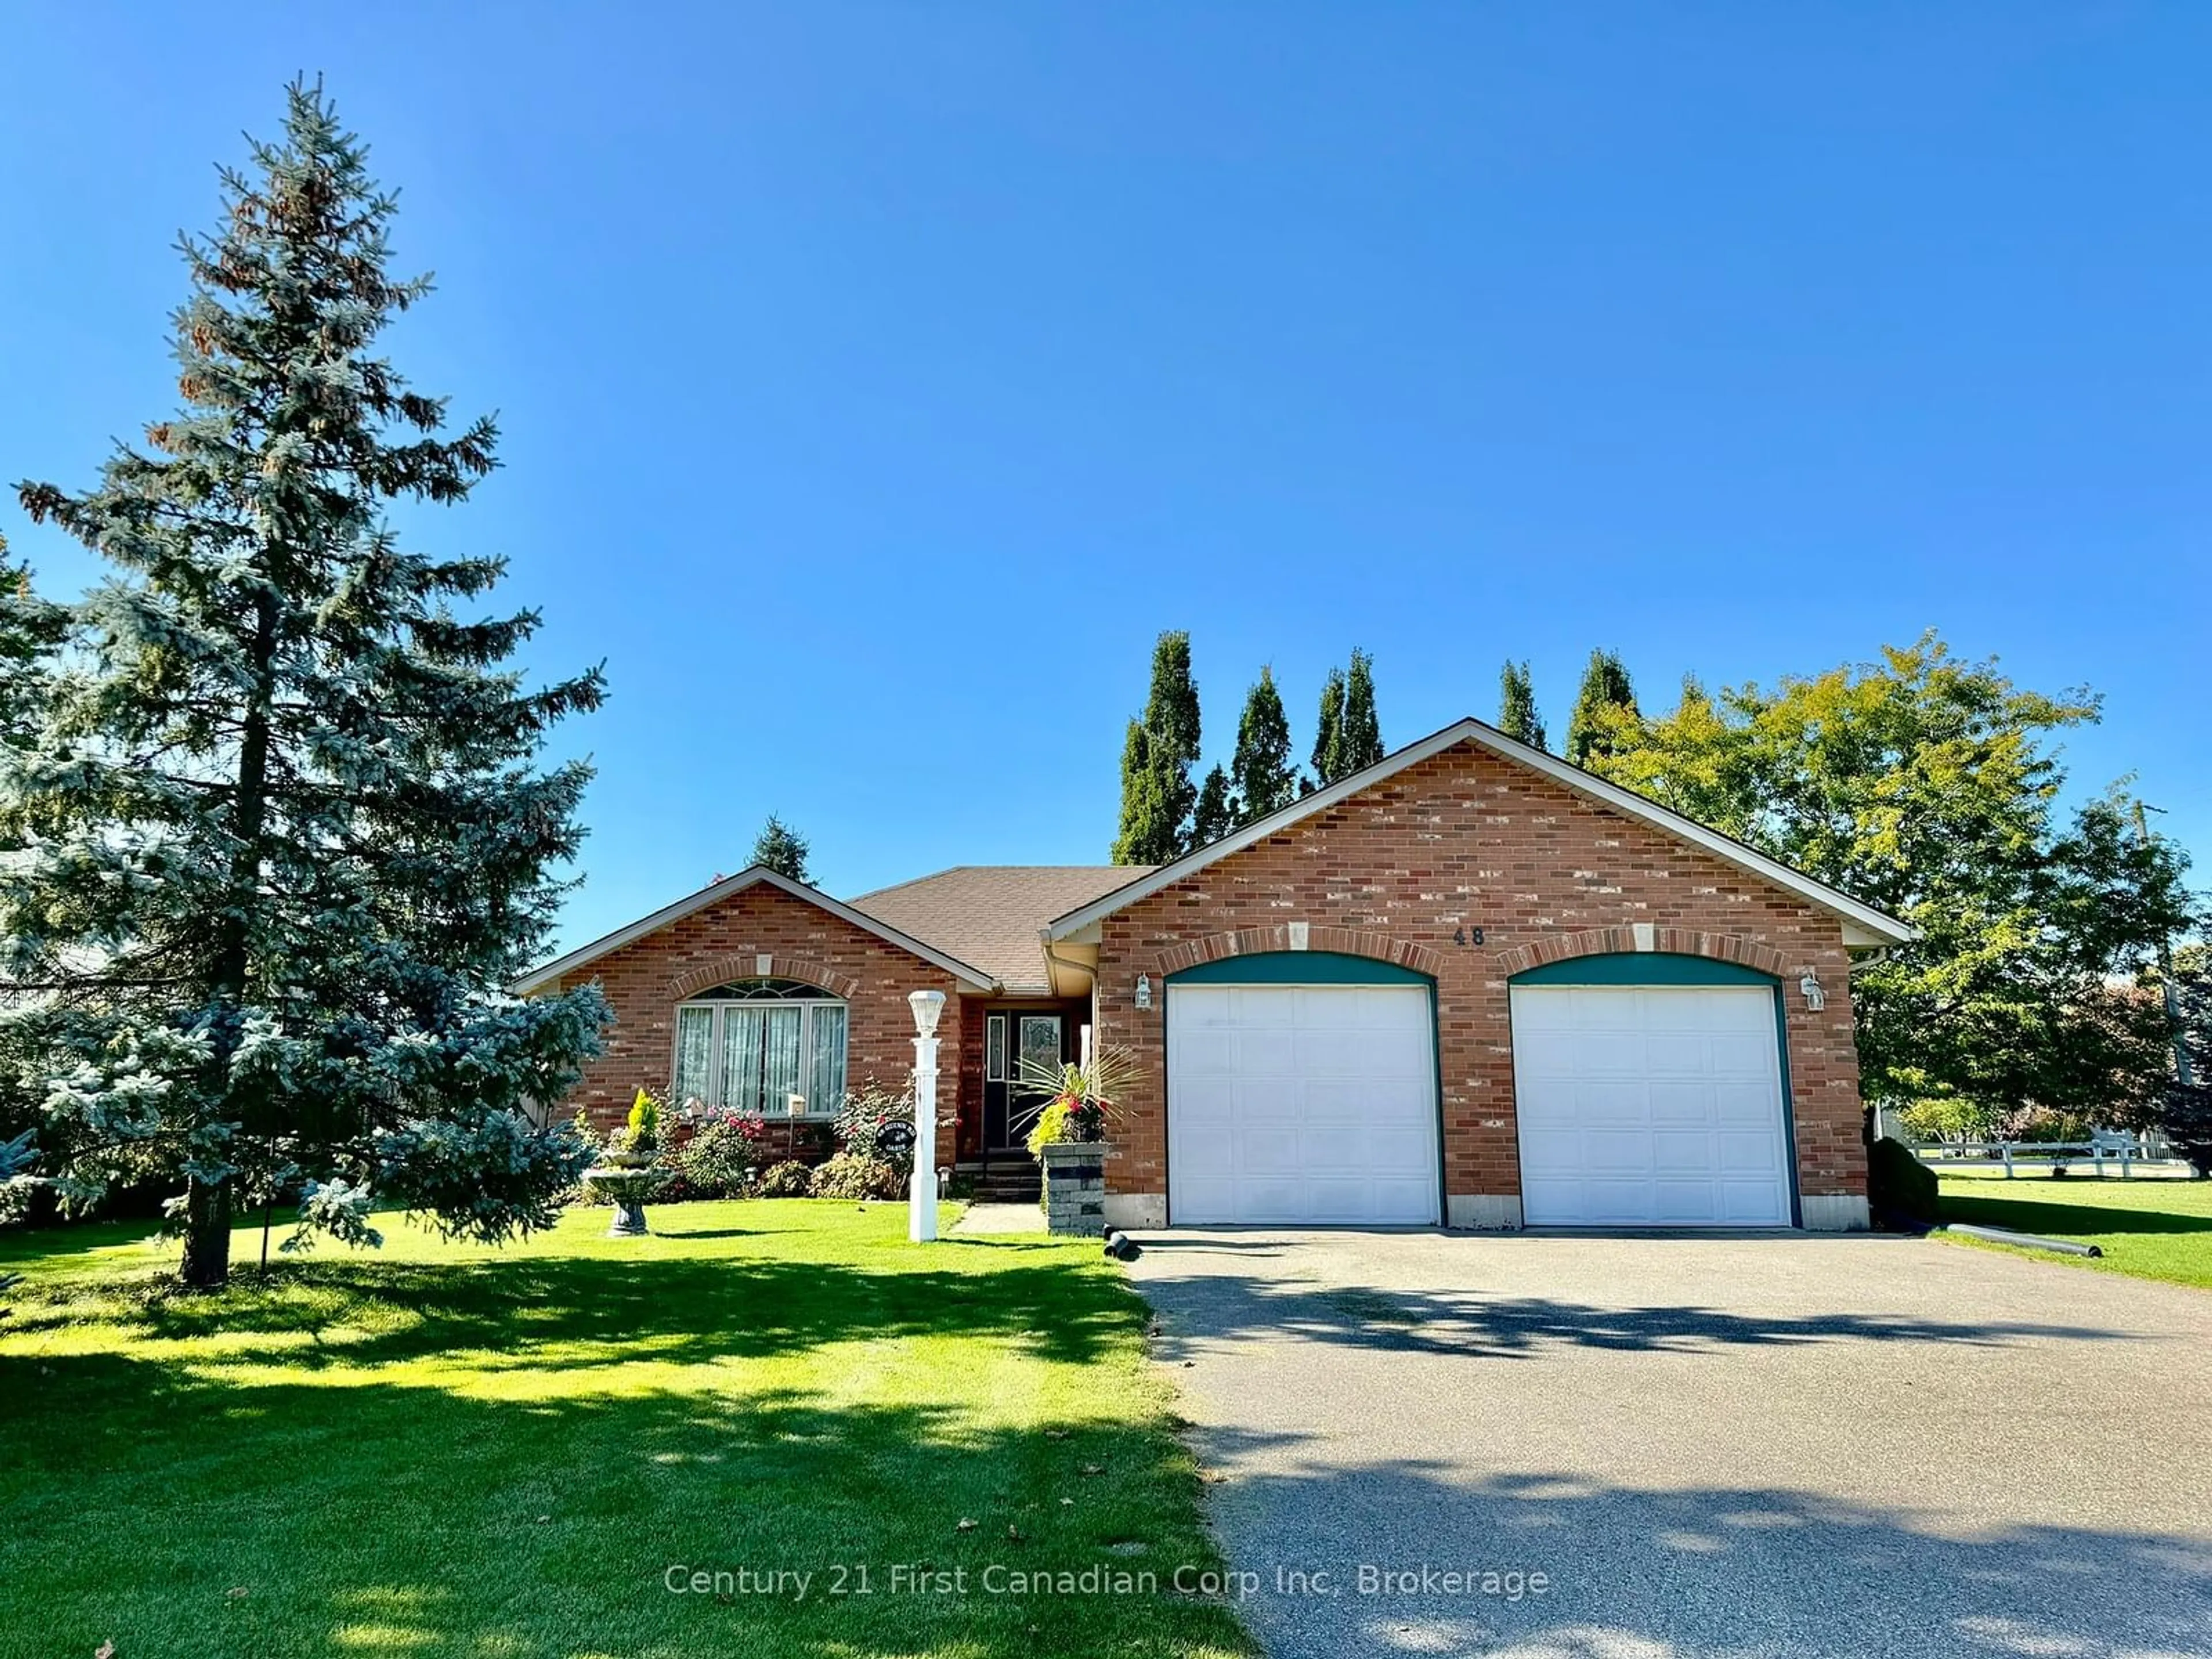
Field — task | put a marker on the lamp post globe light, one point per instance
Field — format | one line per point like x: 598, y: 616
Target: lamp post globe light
x: 922, y: 1207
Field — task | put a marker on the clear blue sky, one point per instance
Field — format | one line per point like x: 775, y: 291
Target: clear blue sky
x: 877, y: 382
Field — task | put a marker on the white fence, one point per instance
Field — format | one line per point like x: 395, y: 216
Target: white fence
x: 2125, y: 1149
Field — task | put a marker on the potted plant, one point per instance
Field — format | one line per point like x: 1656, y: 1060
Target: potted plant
x: 1079, y: 1099
x: 1069, y: 1137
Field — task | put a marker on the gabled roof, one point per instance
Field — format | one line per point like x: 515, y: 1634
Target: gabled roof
x: 537, y: 979
x: 1863, y: 925
x: 991, y: 914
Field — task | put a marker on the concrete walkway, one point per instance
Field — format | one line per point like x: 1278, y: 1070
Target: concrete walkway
x: 1760, y: 1447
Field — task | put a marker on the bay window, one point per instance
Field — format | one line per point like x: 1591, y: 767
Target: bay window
x: 751, y: 1045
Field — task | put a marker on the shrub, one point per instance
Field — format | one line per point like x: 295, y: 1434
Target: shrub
x: 1900, y: 1184
x: 789, y: 1179
x: 848, y: 1174
x: 719, y: 1158
x: 641, y: 1134
x: 2186, y: 1118
x: 868, y: 1113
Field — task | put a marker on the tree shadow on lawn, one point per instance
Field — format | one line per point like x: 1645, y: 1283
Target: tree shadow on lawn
x: 572, y: 1311
x: 2055, y: 1216
x: 180, y: 1516
x: 1665, y: 1574
x: 1231, y: 1307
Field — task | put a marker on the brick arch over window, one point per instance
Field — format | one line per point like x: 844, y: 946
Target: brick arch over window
x: 1255, y: 941
x: 1611, y: 941
x: 761, y: 964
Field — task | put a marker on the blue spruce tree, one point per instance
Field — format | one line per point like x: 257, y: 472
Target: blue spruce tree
x: 287, y: 831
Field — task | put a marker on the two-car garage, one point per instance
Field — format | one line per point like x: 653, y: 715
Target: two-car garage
x: 1648, y: 1091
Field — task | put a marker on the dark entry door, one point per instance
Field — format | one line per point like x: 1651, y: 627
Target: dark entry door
x: 1008, y: 1039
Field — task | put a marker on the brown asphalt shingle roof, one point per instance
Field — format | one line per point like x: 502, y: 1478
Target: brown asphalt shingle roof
x: 991, y: 914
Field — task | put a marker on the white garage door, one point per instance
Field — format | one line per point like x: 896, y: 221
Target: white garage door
x: 1649, y: 1107
x: 1295, y: 1105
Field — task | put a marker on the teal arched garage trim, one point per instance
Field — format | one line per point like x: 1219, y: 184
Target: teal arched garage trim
x: 1644, y: 968
x: 1299, y: 967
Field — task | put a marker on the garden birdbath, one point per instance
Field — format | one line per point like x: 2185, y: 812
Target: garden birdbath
x: 625, y: 1186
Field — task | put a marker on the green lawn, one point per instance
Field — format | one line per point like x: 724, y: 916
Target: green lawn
x: 2148, y: 1228
x: 441, y: 1449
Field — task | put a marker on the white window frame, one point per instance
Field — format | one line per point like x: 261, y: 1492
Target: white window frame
x: 719, y: 1006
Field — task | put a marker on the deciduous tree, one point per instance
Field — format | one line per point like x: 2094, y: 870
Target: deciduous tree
x: 1517, y: 705
x: 1157, y: 797
x: 1216, y: 814
x: 1927, y: 787
x: 1361, y: 745
x: 1329, y: 731
x: 1265, y: 776
x: 1605, y: 700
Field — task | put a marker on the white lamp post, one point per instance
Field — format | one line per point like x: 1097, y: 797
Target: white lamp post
x: 921, y: 1211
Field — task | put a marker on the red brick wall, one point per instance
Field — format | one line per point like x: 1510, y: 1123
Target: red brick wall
x: 645, y: 981
x: 1467, y: 840
x: 970, y: 1140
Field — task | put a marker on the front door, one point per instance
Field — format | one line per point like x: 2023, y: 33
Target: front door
x: 1009, y: 1109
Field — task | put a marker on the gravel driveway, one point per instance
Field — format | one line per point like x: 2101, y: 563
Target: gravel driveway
x: 1740, y: 1446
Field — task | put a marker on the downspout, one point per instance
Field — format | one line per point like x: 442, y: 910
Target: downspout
x: 1055, y: 961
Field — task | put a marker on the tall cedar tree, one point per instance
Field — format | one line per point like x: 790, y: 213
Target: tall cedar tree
x: 1265, y: 776
x: 1360, y: 744
x: 1157, y: 797
x: 782, y: 849
x: 1329, y: 731
x: 1926, y: 786
x: 1604, y: 706
x: 1517, y: 705
x: 289, y: 835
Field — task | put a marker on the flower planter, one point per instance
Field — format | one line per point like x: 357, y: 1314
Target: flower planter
x: 1075, y: 1186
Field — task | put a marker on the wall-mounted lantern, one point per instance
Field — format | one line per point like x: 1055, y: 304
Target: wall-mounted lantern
x: 1144, y: 990
x: 1816, y: 997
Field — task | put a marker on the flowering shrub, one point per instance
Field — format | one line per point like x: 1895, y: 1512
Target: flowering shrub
x: 789, y: 1179
x: 719, y: 1157
x: 862, y: 1120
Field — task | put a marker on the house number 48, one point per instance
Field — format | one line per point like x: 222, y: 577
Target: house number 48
x: 1467, y: 936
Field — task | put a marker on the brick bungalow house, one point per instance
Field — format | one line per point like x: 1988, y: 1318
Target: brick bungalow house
x: 1472, y: 985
